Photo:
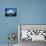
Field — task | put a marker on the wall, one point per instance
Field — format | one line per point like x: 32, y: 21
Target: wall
x: 28, y: 12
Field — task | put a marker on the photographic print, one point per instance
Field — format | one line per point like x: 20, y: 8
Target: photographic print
x: 10, y: 11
